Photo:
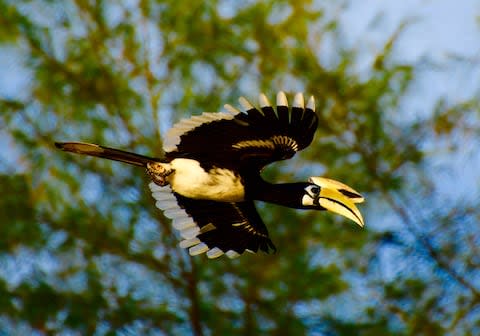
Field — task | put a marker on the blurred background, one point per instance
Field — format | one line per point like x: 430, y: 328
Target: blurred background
x: 83, y: 250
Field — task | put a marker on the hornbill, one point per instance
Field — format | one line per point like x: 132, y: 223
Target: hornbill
x: 209, y: 177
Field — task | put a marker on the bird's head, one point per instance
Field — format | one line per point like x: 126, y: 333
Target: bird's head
x: 325, y: 194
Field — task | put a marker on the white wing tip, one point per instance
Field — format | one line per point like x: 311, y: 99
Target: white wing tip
x: 245, y: 103
x: 311, y: 103
x: 231, y: 109
x: 182, y: 223
x: 298, y: 101
x: 263, y: 100
x: 189, y: 242
x: 282, y: 99
x: 190, y: 232
x: 198, y: 249
x: 232, y: 254
x: 155, y: 187
x: 214, y: 253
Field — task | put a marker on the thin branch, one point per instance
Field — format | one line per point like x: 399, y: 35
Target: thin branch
x: 432, y: 252
x: 249, y: 300
x: 194, y: 312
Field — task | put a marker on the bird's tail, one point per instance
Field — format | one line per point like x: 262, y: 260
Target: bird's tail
x: 106, y: 153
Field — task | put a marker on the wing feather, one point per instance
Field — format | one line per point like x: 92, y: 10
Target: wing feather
x: 249, y: 139
x: 214, y: 228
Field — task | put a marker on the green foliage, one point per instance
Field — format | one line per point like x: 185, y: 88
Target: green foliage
x: 17, y: 213
x: 93, y: 255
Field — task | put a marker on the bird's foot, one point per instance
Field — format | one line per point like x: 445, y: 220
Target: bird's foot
x: 159, y: 172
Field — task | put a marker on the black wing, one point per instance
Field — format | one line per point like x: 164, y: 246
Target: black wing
x: 250, y: 139
x: 214, y: 228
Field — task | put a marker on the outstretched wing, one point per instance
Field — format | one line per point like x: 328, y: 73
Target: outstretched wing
x: 214, y: 228
x: 249, y: 139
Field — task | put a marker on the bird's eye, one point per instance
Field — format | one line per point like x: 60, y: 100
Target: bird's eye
x: 313, y: 190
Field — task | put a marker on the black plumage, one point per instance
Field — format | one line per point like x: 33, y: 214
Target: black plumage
x: 238, y: 227
x: 213, y: 143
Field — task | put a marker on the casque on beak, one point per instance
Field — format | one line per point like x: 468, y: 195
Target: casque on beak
x: 337, y: 197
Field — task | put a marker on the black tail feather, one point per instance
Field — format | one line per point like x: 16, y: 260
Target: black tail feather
x: 105, y: 152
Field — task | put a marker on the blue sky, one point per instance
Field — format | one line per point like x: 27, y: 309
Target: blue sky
x: 440, y: 32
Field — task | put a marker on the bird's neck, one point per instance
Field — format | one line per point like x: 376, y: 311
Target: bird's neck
x: 286, y: 194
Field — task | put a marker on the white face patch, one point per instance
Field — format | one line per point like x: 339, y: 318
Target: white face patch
x: 312, y: 190
x: 307, y: 200
x: 310, y: 196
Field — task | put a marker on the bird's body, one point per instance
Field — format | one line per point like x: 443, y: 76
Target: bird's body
x: 210, y: 174
x: 189, y: 179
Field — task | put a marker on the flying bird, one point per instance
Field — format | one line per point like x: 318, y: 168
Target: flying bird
x: 210, y: 175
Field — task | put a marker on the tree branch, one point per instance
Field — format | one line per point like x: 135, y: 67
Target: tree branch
x: 432, y: 252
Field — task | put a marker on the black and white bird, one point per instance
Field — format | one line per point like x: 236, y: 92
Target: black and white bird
x: 209, y: 178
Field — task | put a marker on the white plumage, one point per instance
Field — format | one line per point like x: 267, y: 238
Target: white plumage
x: 185, y: 224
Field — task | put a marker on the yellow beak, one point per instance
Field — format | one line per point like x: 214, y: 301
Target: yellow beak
x: 339, y: 198
x: 351, y: 193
